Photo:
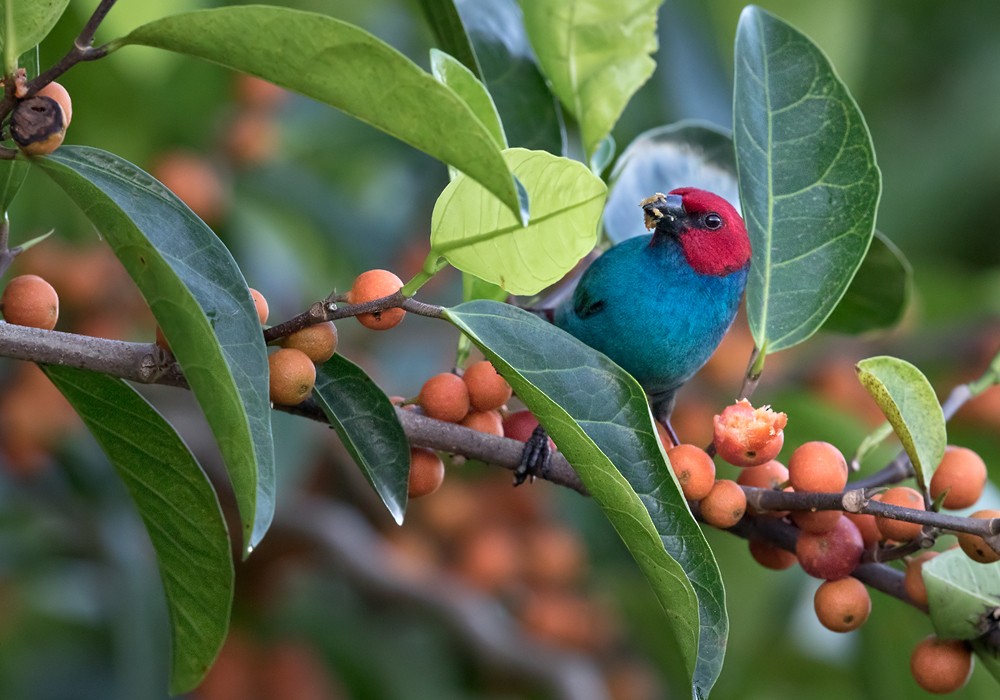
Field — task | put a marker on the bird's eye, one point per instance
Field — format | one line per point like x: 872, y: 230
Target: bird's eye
x: 713, y: 221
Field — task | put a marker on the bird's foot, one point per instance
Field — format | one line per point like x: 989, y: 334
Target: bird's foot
x: 535, y: 458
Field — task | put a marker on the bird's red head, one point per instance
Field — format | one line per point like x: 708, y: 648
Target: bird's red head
x: 710, y: 230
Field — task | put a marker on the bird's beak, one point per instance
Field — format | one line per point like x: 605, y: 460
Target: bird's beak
x: 664, y: 213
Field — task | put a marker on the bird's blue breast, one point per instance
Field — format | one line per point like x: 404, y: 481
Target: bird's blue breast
x: 649, y: 311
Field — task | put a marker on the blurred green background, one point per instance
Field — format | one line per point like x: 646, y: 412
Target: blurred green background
x: 81, y: 612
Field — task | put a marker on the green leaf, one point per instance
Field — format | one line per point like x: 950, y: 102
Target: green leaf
x: 344, y: 66
x: 528, y: 109
x: 908, y: 401
x: 460, y: 79
x: 879, y: 293
x: 686, y: 154
x: 988, y: 657
x: 179, y: 507
x: 960, y: 592
x: 201, y: 302
x: 598, y: 416
x: 474, y: 233
x: 365, y: 420
x: 13, y: 172
x: 595, y: 54
x: 809, y: 186
x: 446, y: 23
x: 24, y: 23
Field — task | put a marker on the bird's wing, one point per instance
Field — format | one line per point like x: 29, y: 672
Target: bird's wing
x: 586, y: 304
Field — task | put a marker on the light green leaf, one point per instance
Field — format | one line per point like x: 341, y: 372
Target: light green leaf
x: 908, y: 401
x: 201, y: 302
x: 460, y: 79
x: 178, y: 506
x: 595, y: 54
x: 686, y: 154
x: 598, y: 416
x: 344, y: 66
x: 960, y: 592
x: 809, y: 186
x: 871, y: 441
x: 476, y: 234
x: 879, y: 293
x: 365, y: 420
x: 24, y: 23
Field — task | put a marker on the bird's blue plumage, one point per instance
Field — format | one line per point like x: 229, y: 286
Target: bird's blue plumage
x: 643, y: 305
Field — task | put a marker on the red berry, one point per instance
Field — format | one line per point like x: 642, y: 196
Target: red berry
x: 833, y: 554
x: 770, y: 556
x: 488, y: 422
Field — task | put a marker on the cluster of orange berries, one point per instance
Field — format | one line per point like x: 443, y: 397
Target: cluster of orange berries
x: 831, y: 543
x: 474, y: 400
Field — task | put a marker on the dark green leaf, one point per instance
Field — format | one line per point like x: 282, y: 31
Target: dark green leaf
x: 344, y: 66
x: 201, y: 302
x: 595, y: 54
x: 908, y: 401
x: 879, y: 293
x: 529, y: 111
x: 179, y: 507
x: 446, y: 23
x: 687, y: 154
x: 809, y: 185
x: 474, y: 233
x: 365, y: 420
x: 30, y: 22
x: 598, y: 416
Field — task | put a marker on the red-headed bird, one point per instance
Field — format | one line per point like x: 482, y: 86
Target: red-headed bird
x: 659, y: 304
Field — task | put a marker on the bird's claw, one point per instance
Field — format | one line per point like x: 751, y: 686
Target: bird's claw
x: 535, y: 458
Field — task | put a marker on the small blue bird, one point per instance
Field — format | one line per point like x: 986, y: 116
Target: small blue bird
x: 659, y: 304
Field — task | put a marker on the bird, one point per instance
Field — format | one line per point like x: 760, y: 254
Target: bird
x: 659, y: 304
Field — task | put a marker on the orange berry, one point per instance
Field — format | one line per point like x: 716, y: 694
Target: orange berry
x: 867, y: 526
x: 771, y: 556
x: 817, y: 467
x: 487, y: 389
x: 694, y: 469
x: 260, y: 303
x: 257, y: 93
x: 195, y: 182
x: 251, y: 138
x: 554, y: 556
x: 974, y: 546
x: 426, y: 472
x: 490, y: 558
x: 815, y: 521
x: 444, y: 397
x: 941, y: 666
x: 293, y: 376
x: 769, y: 475
x: 28, y: 300
x: 724, y: 505
x: 58, y: 93
x: 962, y: 474
x: 746, y: 436
x: 318, y: 341
x: 900, y: 530
x: 842, y: 605
x: 38, y: 125
x: 372, y: 285
x: 488, y: 422
x: 913, y: 581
